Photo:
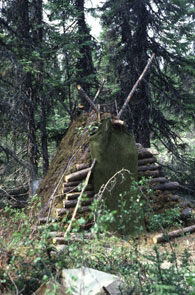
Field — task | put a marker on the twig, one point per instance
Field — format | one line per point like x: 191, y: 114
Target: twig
x: 17, y: 291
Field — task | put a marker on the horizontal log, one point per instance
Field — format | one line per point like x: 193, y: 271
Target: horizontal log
x: 81, y: 174
x: 56, y: 234
x: 43, y: 220
x: 146, y: 153
x: 14, y: 191
x: 74, y: 189
x: 74, y: 238
x: 62, y: 211
x: 72, y: 203
x: 139, y: 145
x: 147, y: 167
x: 146, y: 161
x: 173, y: 234
x: 64, y: 241
x: 82, y: 166
x: 166, y: 186
x: 157, y: 180
x: 71, y: 183
x: 118, y: 122
x: 154, y: 173
x: 75, y: 195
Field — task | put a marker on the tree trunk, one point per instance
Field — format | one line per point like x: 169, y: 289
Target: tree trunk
x: 85, y: 67
x: 39, y: 92
x: 28, y: 108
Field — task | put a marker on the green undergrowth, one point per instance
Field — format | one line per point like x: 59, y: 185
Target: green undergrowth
x: 28, y: 257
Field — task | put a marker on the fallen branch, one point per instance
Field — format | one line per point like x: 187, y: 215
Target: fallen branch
x: 165, y: 237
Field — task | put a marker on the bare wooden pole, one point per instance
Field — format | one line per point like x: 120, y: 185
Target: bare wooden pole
x: 80, y: 197
x: 84, y: 94
x: 135, y: 86
x: 99, y: 90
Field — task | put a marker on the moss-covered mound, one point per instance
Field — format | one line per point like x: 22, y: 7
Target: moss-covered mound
x: 73, y: 149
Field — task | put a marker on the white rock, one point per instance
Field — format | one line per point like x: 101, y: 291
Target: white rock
x: 88, y: 281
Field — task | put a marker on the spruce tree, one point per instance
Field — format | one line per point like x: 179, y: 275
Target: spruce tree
x: 133, y: 30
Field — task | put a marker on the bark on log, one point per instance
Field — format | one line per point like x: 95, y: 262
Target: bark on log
x: 64, y: 240
x: 154, y: 173
x: 166, y: 186
x: 63, y: 211
x: 157, y: 180
x: 75, y: 195
x: 72, y: 203
x: 77, y: 175
x: 71, y: 189
x: 44, y: 220
x: 146, y: 161
x: 147, y: 167
x: 138, y: 145
x: 118, y: 122
x: 144, y: 153
x: 71, y: 183
x: 16, y: 192
x: 173, y: 234
x: 82, y: 166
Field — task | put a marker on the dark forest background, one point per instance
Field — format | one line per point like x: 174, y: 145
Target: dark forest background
x: 46, y: 50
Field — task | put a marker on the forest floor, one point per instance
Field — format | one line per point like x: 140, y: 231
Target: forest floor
x: 179, y: 245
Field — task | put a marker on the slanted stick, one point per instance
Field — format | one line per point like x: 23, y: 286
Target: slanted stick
x: 84, y: 94
x: 99, y: 90
x: 135, y: 86
x: 80, y: 197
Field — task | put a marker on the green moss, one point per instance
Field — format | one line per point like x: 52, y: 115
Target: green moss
x: 70, y: 152
x: 114, y: 149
